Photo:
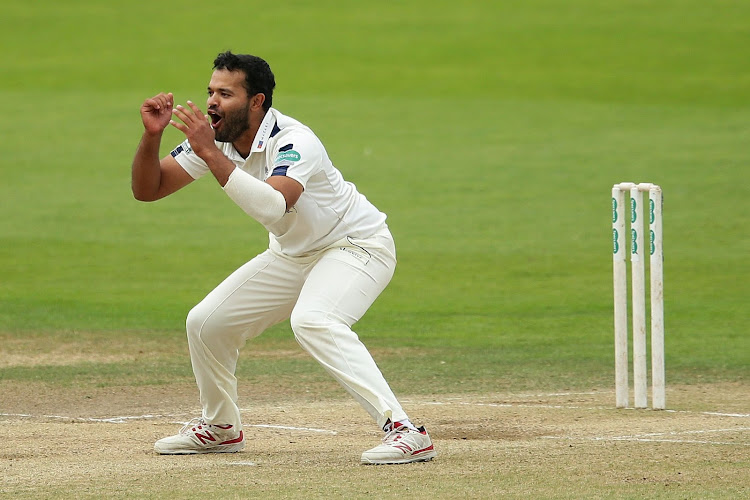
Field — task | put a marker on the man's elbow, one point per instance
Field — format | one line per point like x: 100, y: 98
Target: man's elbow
x: 142, y: 195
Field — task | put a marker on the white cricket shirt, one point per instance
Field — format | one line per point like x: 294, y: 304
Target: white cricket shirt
x: 329, y: 208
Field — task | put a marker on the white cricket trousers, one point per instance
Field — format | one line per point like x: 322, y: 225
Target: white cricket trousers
x: 323, y: 296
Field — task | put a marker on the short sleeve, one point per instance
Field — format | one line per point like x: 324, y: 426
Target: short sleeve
x: 188, y: 160
x: 297, y: 156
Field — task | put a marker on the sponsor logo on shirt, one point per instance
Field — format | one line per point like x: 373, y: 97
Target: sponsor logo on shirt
x: 287, y: 157
x: 181, y: 149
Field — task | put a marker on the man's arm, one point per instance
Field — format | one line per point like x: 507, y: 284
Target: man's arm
x: 290, y: 188
x: 267, y: 201
x: 151, y: 178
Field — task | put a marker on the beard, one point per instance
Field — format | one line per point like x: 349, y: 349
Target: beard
x: 233, y: 125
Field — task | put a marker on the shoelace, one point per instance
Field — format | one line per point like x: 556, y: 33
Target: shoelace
x: 196, y: 422
x: 394, y: 435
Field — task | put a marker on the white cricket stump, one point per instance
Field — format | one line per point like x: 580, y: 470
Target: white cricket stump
x: 638, y: 301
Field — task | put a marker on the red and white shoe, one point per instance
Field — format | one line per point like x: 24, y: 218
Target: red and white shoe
x: 198, y: 437
x: 401, y: 446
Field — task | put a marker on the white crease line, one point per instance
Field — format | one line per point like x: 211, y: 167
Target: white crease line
x: 710, y: 413
x: 648, y: 440
x: 684, y: 441
x: 741, y: 415
x: 516, y: 405
x: 282, y: 427
x: 698, y: 431
x: 652, y: 437
x: 288, y: 428
x: 567, y: 407
x: 556, y: 394
x: 122, y: 420
x: 519, y: 396
x: 111, y: 420
x: 528, y: 405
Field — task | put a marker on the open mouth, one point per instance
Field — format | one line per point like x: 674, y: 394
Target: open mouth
x: 215, y: 119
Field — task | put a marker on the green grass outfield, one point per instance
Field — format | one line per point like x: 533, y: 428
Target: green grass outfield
x: 490, y: 133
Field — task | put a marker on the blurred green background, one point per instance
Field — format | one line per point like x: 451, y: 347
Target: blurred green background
x: 489, y: 132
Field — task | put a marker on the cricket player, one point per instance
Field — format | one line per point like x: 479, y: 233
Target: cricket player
x: 329, y: 257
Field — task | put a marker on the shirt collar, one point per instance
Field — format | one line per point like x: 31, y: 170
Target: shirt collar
x: 264, y: 131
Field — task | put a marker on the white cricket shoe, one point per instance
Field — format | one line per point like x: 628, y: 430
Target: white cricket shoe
x: 198, y: 437
x: 401, y: 446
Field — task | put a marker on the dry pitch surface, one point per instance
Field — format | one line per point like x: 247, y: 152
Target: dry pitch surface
x: 98, y: 443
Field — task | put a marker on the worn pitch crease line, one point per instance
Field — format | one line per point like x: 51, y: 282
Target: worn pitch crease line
x: 449, y: 401
x: 652, y: 437
x: 696, y: 431
x: 646, y: 440
x: 548, y: 395
x: 111, y: 420
x: 567, y: 407
x: 282, y: 427
x: 684, y: 441
x: 125, y: 419
x: 289, y: 428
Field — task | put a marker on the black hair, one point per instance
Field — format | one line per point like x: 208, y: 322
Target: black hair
x: 259, y: 78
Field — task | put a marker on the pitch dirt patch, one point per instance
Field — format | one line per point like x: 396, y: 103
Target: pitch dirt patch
x: 566, y: 445
x: 76, y: 348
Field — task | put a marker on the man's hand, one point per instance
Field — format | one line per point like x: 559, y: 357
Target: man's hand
x: 153, y: 178
x: 197, y: 129
x: 157, y: 112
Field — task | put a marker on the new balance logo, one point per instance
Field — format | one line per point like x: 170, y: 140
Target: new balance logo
x: 203, y: 438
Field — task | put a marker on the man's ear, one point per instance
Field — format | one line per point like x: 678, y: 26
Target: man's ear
x: 256, y: 101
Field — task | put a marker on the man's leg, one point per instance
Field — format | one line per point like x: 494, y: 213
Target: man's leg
x: 254, y: 297
x: 339, y: 289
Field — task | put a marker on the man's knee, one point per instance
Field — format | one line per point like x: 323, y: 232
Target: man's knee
x: 200, y: 326
x: 194, y: 322
x: 306, y: 323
